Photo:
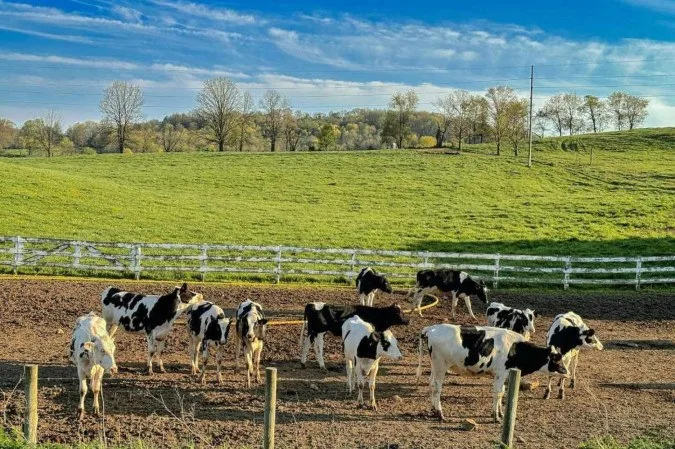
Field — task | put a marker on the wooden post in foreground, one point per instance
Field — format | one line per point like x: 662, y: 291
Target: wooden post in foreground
x: 30, y: 419
x: 270, y: 407
x: 511, y: 407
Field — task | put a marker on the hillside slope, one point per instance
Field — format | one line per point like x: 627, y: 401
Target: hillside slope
x: 622, y: 204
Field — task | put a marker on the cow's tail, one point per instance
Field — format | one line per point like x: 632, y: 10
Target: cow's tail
x: 423, y: 343
x: 302, y: 330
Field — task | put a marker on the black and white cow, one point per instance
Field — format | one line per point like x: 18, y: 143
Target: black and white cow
x: 208, y: 328
x: 363, y: 348
x: 519, y: 321
x: 152, y: 314
x: 471, y: 350
x: 321, y: 318
x: 368, y: 282
x: 458, y: 283
x: 570, y: 334
x: 251, y: 329
x: 92, y: 351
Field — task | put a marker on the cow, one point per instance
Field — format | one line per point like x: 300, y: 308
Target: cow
x: 368, y: 282
x: 570, y: 334
x: 320, y: 318
x: 152, y: 314
x: 251, y: 327
x: 519, y: 321
x: 363, y: 348
x: 475, y: 350
x: 92, y: 351
x: 458, y: 283
x: 209, y: 329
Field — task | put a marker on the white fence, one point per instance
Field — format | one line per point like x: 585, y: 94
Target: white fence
x: 18, y: 254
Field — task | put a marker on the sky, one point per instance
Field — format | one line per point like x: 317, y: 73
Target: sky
x: 61, y: 54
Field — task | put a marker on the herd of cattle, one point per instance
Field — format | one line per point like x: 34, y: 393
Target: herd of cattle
x: 466, y: 350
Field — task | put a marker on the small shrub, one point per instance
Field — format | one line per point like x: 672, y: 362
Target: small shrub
x: 89, y: 151
x: 127, y: 151
x: 427, y: 142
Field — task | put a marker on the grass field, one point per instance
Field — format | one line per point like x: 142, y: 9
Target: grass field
x: 623, y: 204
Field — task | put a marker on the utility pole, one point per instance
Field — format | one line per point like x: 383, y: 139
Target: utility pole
x: 529, y: 157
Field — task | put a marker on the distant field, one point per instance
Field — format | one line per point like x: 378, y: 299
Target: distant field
x: 623, y: 204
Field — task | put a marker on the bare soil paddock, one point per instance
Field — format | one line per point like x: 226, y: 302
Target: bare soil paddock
x: 623, y: 390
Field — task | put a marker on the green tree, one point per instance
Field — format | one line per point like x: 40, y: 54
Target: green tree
x: 498, y: 99
x: 121, y: 107
x: 8, y: 133
x: 328, y: 137
x: 402, y: 105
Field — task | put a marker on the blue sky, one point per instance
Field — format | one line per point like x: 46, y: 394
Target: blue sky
x: 61, y: 54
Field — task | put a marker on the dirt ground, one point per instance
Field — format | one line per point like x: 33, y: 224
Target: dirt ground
x: 624, y: 390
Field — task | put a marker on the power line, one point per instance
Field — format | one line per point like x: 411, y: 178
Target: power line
x: 605, y: 85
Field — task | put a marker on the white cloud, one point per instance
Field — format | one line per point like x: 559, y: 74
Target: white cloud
x: 665, y: 6
x: 52, y: 36
x: 218, y: 14
x: 128, y: 14
x: 94, y: 63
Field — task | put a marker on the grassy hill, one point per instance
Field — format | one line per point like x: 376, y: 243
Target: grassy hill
x: 623, y: 204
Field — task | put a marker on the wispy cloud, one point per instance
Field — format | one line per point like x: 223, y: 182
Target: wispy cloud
x: 98, y: 63
x: 128, y: 14
x: 218, y: 14
x: 56, y: 37
x: 664, y: 6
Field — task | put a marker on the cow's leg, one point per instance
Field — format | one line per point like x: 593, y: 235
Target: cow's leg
x: 305, y: 351
x: 371, y: 383
x: 349, y: 364
x: 467, y: 301
x: 205, y: 360
x: 248, y: 356
x: 258, y: 353
x: 371, y: 298
x: 160, y: 348
x: 438, y: 370
x: 112, y: 329
x: 498, y: 391
x: 561, y: 388
x: 573, y: 371
x: 83, y: 393
x: 151, y: 352
x: 455, y: 299
x: 318, y: 349
x: 96, y: 382
x: 360, y: 381
x: 219, y: 359
x: 194, y: 355
x: 362, y: 298
x: 417, y: 300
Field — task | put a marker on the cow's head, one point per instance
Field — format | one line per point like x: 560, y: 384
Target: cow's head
x: 224, y: 325
x: 394, y: 313
x: 100, y: 351
x: 555, y: 366
x: 589, y: 340
x: 188, y: 296
x: 383, y: 284
x: 387, y: 346
x: 254, y: 324
x: 530, y: 314
x: 482, y: 291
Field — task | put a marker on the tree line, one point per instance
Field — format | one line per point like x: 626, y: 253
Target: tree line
x: 225, y: 118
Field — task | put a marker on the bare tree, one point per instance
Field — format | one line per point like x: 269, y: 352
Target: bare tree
x: 499, y: 99
x: 454, y: 108
x: 516, y: 119
x: 171, y: 137
x: 616, y: 104
x: 273, y: 104
x: 218, y: 107
x: 246, y: 111
x: 635, y: 110
x: 403, y: 105
x: 49, y: 131
x: 292, y: 131
x: 595, y: 111
x: 554, y: 112
x: 572, y: 104
x: 121, y: 107
x: 477, y: 116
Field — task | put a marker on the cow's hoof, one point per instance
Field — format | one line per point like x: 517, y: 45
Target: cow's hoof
x: 162, y: 370
x: 150, y: 372
x: 219, y: 379
x: 561, y: 395
x: 571, y: 383
x: 303, y: 365
x: 547, y: 394
x: 80, y: 414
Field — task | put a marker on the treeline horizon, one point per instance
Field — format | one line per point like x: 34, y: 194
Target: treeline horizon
x: 227, y: 119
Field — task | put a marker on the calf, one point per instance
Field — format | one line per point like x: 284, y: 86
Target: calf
x: 321, y: 318
x: 570, y: 334
x: 457, y: 283
x: 152, y: 314
x: 251, y: 328
x: 363, y: 348
x: 92, y: 351
x: 470, y: 350
x: 368, y: 282
x: 519, y: 321
x: 208, y: 328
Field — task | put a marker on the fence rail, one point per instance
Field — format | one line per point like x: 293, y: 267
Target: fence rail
x: 20, y: 254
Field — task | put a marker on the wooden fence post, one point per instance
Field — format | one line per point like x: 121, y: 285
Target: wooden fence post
x: 203, y: 260
x: 136, y: 260
x: 511, y: 407
x: 270, y: 407
x: 638, y: 269
x: 278, y: 268
x: 30, y: 420
x: 352, y: 266
x: 495, y: 280
x: 566, y: 278
x: 18, y: 254
x: 77, y: 254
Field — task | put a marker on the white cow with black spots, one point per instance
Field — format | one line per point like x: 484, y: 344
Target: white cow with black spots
x: 208, y: 329
x: 570, y: 334
x: 92, y: 351
x: 251, y: 328
x: 363, y: 348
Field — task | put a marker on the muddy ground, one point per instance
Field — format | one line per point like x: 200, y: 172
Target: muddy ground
x: 624, y: 390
